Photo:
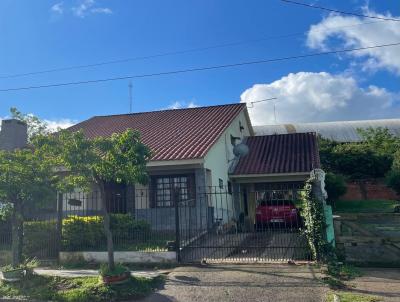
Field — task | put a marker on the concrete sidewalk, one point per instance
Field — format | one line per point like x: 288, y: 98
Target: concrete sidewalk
x: 220, y: 283
x: 75, y: 273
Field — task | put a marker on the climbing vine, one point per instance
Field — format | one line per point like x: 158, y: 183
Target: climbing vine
x: 314, y: 221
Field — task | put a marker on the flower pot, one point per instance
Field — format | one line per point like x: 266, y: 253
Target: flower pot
x: 13, y: 275
x: 116, y: 279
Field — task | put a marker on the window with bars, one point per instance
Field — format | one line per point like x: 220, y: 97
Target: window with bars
x: 164, y: 185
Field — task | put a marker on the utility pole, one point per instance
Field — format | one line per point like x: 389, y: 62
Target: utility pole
x: 130, y: 96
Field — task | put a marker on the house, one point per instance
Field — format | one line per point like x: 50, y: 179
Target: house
x: 193, y: 149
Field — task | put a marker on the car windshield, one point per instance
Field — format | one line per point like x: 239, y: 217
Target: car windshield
x: 275, y: 203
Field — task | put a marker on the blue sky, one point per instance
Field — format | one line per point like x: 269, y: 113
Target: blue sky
x: 41, y: 35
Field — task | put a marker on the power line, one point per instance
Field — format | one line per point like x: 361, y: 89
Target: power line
x: 172, y: 72
x: 171, y: 53
x: 339, y: 11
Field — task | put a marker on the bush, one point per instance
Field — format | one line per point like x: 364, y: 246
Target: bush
x: 393, y: 180
x: 335, y: 186
x: 82, y: 232
x: 86, y: 232
x: 40, y: 239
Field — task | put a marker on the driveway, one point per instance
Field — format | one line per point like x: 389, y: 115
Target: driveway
x: 242, y: 283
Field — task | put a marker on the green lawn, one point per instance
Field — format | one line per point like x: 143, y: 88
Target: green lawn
x: 365, y: 206
x: 78, y: 289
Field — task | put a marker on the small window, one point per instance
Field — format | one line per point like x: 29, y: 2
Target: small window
x: 164, y: 185
x: 221, y: 183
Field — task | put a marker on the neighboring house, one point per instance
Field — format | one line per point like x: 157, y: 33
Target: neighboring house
x: 340, y: 131
x: 192, y: 150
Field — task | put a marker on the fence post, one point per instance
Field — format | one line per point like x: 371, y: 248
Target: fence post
x: 59, y: 223
x: 175, y: 199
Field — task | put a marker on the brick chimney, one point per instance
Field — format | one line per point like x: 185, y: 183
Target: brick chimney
x: 13, y: 135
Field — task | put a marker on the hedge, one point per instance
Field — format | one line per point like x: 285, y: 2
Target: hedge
x: 87, y: 231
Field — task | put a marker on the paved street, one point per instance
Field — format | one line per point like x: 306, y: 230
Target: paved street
x: 242, y: 283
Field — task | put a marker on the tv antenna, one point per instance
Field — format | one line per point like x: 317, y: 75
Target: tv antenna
x: 266, y: 100
x: 130, y: 96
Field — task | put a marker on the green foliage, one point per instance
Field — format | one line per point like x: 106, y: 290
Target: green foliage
x: 35, y: 125
x: 39, y: 237
x: 359, y: 161
x: 118, y: 270
x: 393, y: 180
x: 86, y: 289
x: 314, y: 221
x: 352, y: 297
x: 371, y: 158
x: 335, y: 186
x: 344, y: 272
x: 123, y: 226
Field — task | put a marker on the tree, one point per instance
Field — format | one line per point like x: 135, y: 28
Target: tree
x: 25, y: 179
x: 35, y: 125
x: 335, y: 186
x: 393, y: 180
x: 121, y: 158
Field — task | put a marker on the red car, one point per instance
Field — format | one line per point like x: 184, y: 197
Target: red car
x: 277, y: 211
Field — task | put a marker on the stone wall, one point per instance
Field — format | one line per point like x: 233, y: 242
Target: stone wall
x: 369, y: 189
x: 13, y: 135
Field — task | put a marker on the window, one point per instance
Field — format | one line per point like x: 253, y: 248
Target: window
x: 164, y: 185
x: 221, y: 183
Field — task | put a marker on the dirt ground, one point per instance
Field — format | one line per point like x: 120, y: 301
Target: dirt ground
x: 242, y: 283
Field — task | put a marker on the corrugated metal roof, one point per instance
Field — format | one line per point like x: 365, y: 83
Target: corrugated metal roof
x: 281, y: 153
x: 171, y: 134
x: 341, y: 131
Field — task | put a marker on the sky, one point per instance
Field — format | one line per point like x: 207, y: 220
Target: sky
x: 46, y: 35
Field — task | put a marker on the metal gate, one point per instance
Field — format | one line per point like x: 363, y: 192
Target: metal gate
x: 241, y: 226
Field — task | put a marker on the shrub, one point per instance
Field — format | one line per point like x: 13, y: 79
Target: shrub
x: 82, y: 232
x: 86, y: 232
x: 335, y: 186
x: 40, y: 238
x: 393, y: 180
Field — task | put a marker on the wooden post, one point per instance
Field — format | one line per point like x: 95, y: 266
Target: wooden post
x: 59, y: 223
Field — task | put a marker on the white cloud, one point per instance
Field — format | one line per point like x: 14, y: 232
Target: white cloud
x: 58, y: 8
x: 180, y: 105
x: 54, y: 125
x: 86, y: 7
x: 312, y: 97
x: 101, y: 10
x: 326, y: 34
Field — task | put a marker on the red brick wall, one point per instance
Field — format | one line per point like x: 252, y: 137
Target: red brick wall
x: 368, y: 189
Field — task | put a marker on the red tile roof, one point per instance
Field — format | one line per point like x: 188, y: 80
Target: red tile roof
x: 171, y: 134
x: 282, y: 153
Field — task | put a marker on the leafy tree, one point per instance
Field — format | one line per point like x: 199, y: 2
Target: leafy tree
x: 335, y: 186
x: 25, y: 179
x: 120, y: 158
x: 393, y: 180
x: 35, y: 125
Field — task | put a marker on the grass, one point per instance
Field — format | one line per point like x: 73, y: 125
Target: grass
x: 337, y: 274
x: 365, y: 206
x: 350, y: 297
x: 48, y: 288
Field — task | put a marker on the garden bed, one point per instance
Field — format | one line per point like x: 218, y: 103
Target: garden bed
x: 46, y: 288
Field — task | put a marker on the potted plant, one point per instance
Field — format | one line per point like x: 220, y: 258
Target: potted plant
x: 119, y: 274
x: 12, y: 274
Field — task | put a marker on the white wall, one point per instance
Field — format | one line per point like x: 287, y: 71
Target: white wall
x: 218, y: 160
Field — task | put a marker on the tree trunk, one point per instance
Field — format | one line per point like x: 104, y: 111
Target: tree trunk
x: 16, y: 233
x: 106, y: 225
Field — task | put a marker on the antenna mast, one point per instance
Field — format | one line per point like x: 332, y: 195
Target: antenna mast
x: 130, y: 96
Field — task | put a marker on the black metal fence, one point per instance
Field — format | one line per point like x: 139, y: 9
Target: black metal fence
x: 211, y: 224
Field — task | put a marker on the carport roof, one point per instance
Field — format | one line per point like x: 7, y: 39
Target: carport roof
x: 279, y: 153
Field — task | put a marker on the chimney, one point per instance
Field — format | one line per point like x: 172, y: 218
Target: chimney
x: 13, y: 135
